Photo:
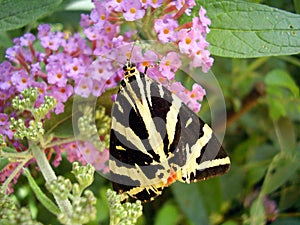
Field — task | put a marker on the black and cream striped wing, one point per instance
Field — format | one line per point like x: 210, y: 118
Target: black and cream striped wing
x: 153, y: 133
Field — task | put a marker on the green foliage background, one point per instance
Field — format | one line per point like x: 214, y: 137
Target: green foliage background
x: 256, y: 47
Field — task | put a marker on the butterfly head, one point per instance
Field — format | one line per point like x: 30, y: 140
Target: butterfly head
x: 130, y: 69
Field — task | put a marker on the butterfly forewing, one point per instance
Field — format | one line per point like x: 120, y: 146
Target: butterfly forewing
x: 156, y: 137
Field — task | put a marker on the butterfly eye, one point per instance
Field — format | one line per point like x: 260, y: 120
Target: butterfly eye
x: 125, y: 68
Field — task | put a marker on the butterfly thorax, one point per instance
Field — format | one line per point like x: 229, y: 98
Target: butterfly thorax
x: 130, y: 69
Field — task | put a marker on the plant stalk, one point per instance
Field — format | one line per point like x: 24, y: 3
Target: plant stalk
x: 49, y: 175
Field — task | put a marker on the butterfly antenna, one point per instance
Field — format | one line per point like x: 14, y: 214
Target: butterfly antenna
x: 113, y: 60
x: 131, y: 52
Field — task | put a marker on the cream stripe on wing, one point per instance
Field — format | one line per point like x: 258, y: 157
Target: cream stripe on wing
x: 130, y: 136
x: 124, y: 92
x: 171, y: 119
x: 134, y: 173
x: 195, y: 152
x: 148, y: 92
x: 158, y: 85
x: 213, y: 163
x: 154, y: 138
x: 117, y: 104
x: 161, y: 90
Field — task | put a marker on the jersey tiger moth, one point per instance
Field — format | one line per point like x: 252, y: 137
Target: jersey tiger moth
x: 156, y: 139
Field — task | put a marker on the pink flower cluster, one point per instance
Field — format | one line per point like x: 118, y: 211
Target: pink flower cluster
x: 102, y: 27
x: 62, y: 65
x: 191, y: 41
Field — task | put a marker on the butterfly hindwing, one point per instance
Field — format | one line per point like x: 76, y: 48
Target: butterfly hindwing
x: 153, y: 135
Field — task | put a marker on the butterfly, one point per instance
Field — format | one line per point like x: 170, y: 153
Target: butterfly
x: 156, y: 139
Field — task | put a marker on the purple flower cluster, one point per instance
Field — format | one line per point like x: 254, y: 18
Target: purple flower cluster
x: 62, y: 65
x: 103, y: 25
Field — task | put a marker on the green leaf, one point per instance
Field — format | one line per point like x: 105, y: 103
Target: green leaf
x: 230, y: 222
x: 289, y: 196
x: 297, y: 6
x: 241, y: 29
x: 285, y: 133
x: 293, y: 109
x: 235, y: 176
x: 5, y: 42
x: 276, y: 108
x: 190, y: 202
x: 287, y: 221
x: 102, y: 206
x: 256, y: 172
x: 64, y: 125
x: 9, y: 150
x: 17, y: 13
x: 105, y: 99
x: 257, y: 213
x: 167, y: 215
x: 257, y: 163
x: 78, y: 5
x: 3, y: 163
x: 280, y: 78
x: 61, y: 125
x: 211, y: 194
x: 281, y: 91
x: 280, y: 170
x: 64, y: 129
x: 49, y: 205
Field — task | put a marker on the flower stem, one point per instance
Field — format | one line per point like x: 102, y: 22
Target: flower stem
x: 60, y: 142
x: 49, y: 175
x: 14, y: 173
x: 17, y: 156
x: 248, y: 103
